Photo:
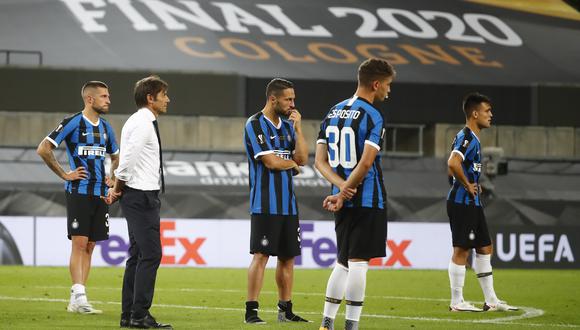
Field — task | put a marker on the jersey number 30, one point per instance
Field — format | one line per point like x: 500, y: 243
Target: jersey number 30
x: 346, y: 154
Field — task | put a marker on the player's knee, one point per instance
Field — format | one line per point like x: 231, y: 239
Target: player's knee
x: 286, y: 261
x: 460, y: 256
x: 485, y: 250
x: 80, y: 243
x: 261, y: 259
x: 90, y: 247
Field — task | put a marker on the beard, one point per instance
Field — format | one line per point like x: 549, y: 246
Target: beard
x: 100, y: 110
x: 280, y: 111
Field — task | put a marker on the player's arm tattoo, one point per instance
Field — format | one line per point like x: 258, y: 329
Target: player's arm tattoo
x: 45, y: 151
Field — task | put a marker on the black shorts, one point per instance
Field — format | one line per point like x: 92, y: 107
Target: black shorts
x: 468, y: 225
x: 87, y: 216
x: 275, y: 235
x: 361, y: 233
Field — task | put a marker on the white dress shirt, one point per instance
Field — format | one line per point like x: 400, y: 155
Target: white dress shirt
x: 139, y: 158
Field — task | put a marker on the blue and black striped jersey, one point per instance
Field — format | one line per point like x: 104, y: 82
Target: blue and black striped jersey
x: 271, y: 191
x: 466, y: 144
x: 346, y: 129
x: 86, y: 145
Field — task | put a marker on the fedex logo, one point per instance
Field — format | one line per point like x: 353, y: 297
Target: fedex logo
x: 323, y: 250
x: 191, y: 247
x: 397, y: 255
x: 114, y: 251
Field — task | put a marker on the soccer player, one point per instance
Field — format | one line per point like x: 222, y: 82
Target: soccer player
x: 275, y: 148
x: 465, y: 209
x: 347, y: 155
x: 88, y: 137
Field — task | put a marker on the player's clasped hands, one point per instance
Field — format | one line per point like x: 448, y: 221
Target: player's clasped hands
x: 333, y: 203
x: 110, y: 183
x: 346, y: 192
x: 112, y: 196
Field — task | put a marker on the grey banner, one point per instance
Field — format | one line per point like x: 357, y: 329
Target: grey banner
x: 428, y: 41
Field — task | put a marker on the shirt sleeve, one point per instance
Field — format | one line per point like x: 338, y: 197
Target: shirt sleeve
x: 471, y: 151
x: 322, y: 133
x: 461, y: 144
x: 112, y: 146
x: 64, y: 129
x: 376, y: 132
x: 257, y: 142
x: 133, y: 144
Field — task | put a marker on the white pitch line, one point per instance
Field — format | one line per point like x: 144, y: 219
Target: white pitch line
x: 298, y: 293
x: 529, y: 312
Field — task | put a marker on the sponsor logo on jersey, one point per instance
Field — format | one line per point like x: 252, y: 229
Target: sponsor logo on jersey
x: 477, y: 167
x: 91, y: 151
x: 284, y: 154
x: 94, y: 134
x: 344, y: 114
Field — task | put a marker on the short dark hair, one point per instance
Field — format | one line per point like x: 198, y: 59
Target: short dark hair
x: 374, y: 69
x: 93, y: 84
x: 471, y: 101
x: 151, y: 85
x: 277, y: 85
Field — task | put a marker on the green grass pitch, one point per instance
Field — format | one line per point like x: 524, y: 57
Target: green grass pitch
x: 197, y: 298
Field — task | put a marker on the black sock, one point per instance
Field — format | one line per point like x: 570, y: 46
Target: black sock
x: 285, y: 306
x: 252, y: 308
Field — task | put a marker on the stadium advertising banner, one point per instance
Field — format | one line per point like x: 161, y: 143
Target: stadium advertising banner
x: 536, y: 246
x: 444, y: 41
x: 217, y: 243
x: 224, y: 243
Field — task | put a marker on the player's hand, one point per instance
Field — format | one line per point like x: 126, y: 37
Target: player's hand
x: 110, y: 183
x: 333, y: 203
x: 347, y: 192
x: 78, y: 174
x: 296, y: 118
x: 296, y: 170
x: 112, y: 196
x: 472, y: 190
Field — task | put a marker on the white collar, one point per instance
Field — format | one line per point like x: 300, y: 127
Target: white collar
x: 279, y: 124
x: 87, y: 119
x: 148, y: 113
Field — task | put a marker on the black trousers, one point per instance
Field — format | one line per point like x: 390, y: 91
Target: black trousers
x: 141, y: 209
